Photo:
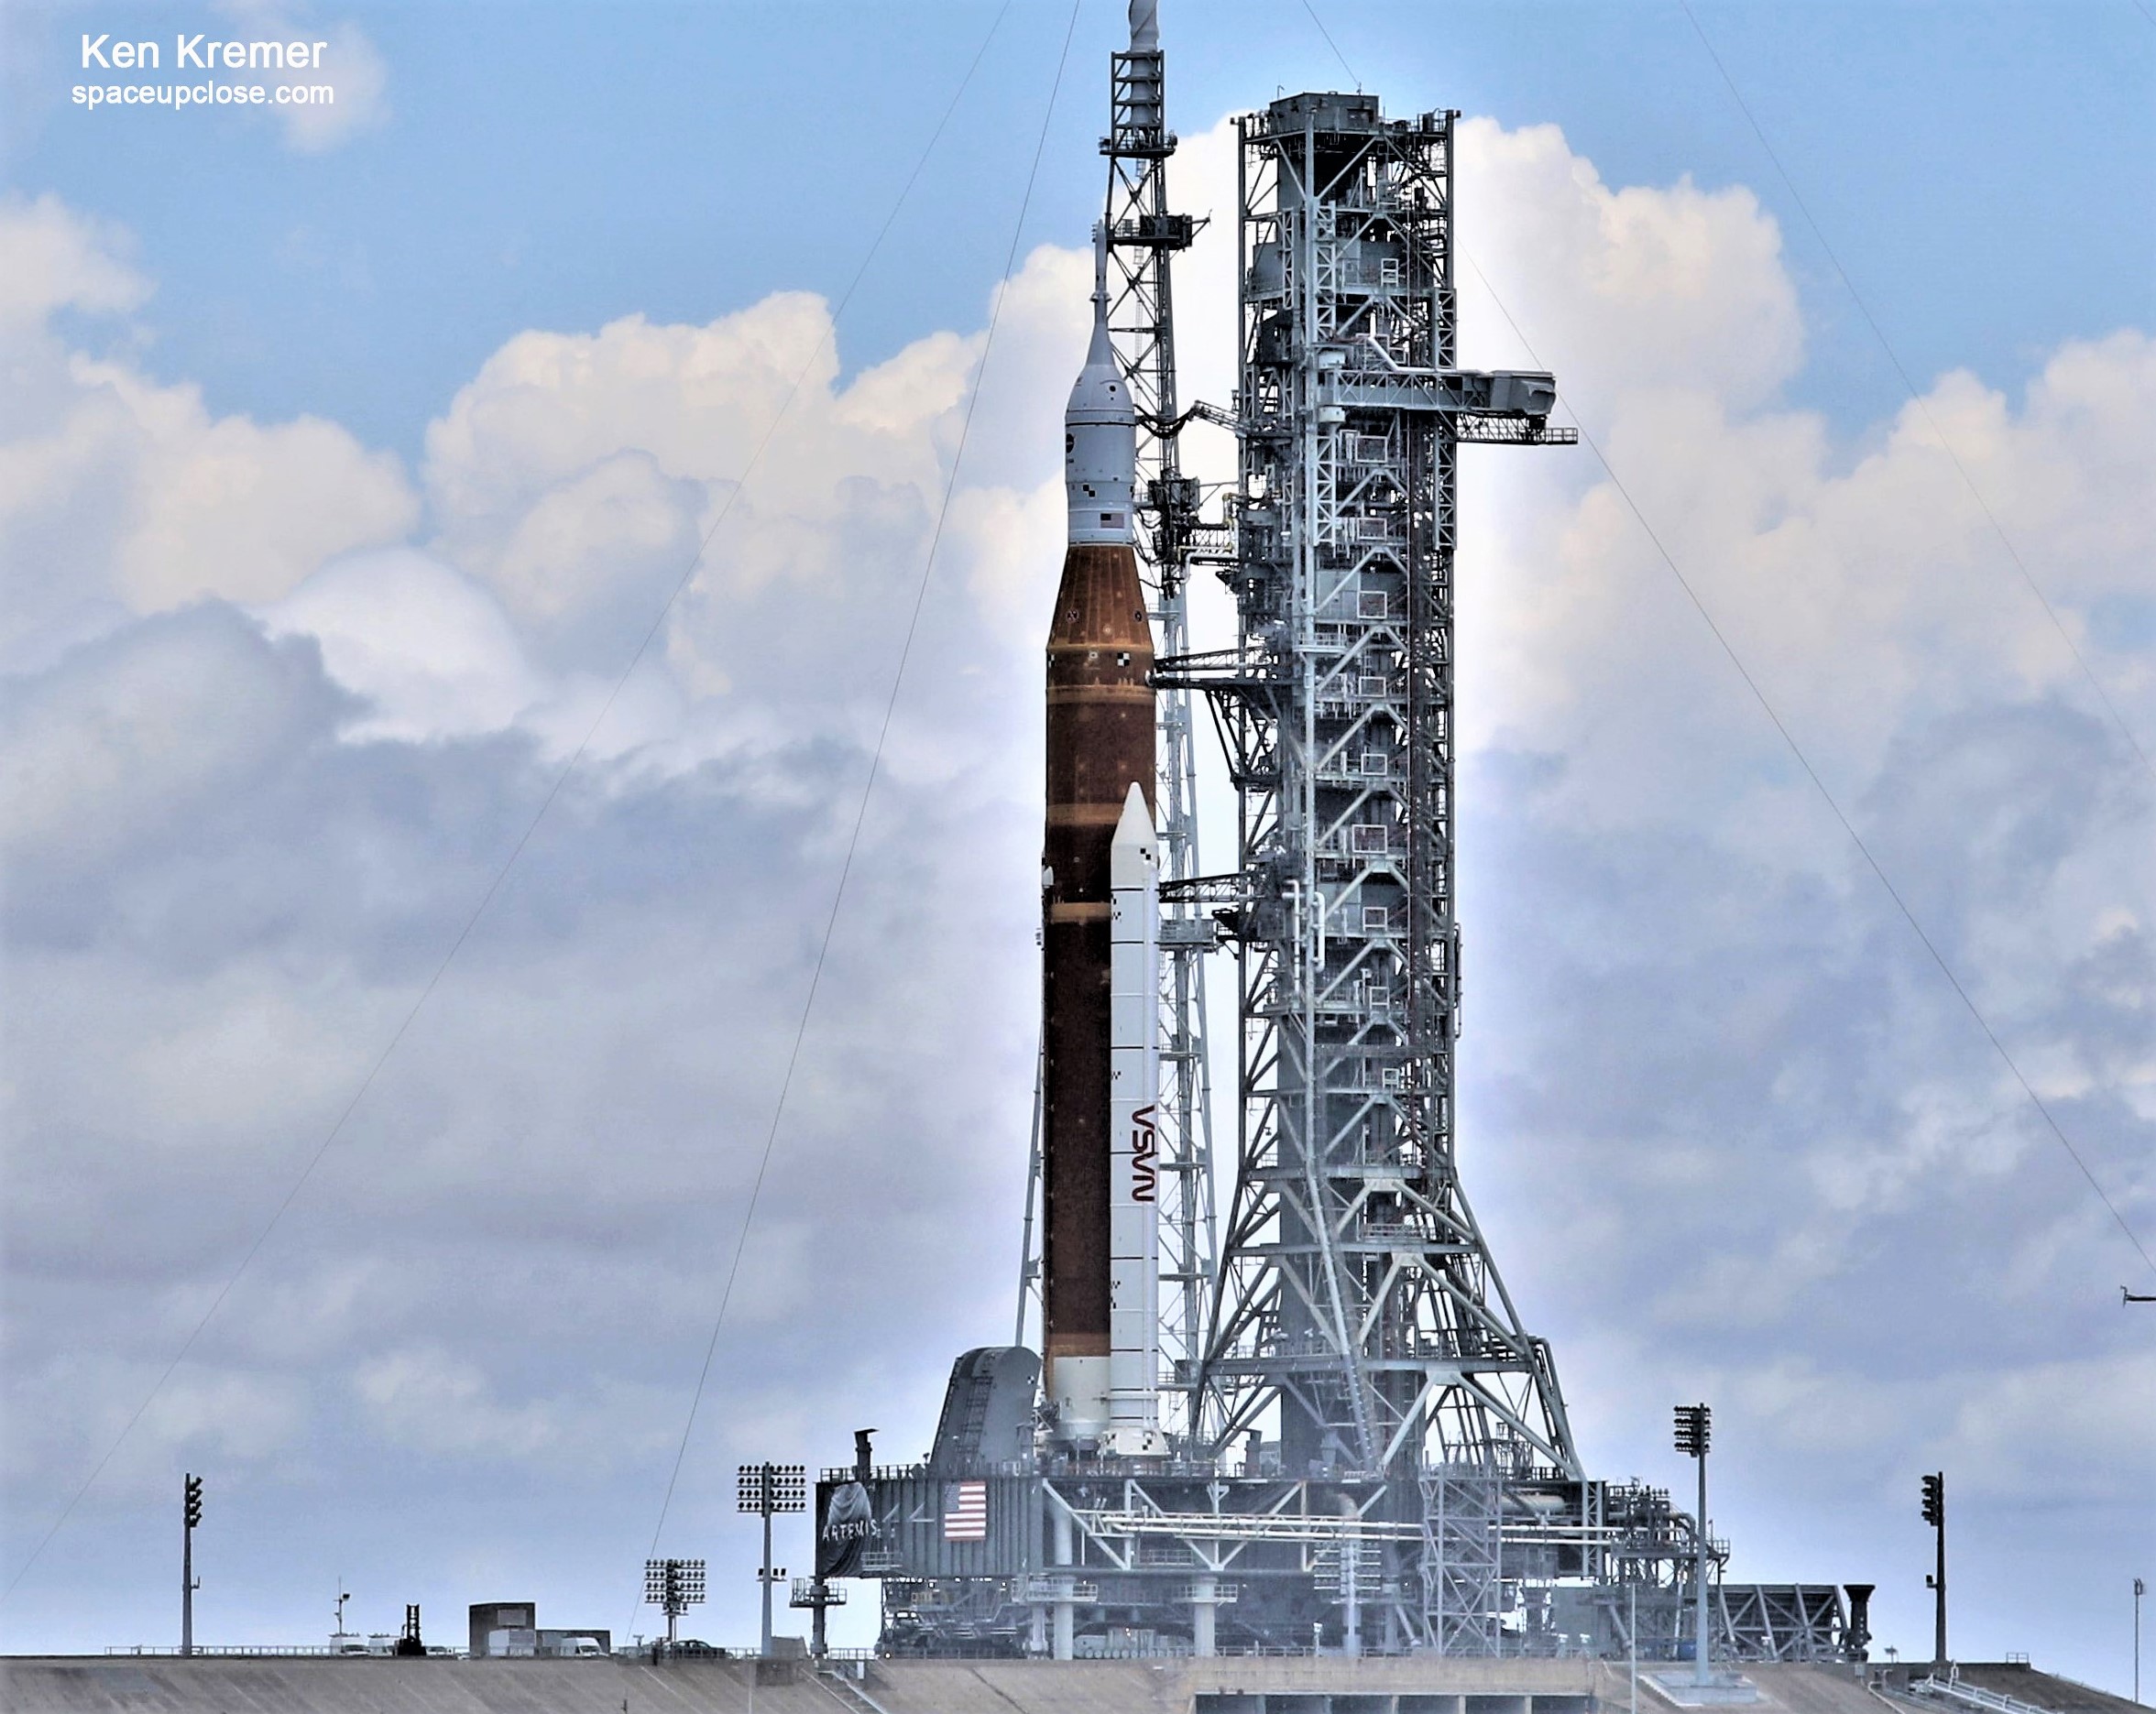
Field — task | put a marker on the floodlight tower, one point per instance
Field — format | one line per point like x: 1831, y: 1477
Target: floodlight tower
x: 673, y: 1586
x: 766, y: 1489
x: 2139, y: 1590
x: 190, y: 1516
x: 1695, y: 1425
x: 1934, y: 1492
x: 1360, y: 1317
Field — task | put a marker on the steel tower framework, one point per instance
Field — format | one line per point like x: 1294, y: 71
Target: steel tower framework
x: 1421, y: 1490
x: 1143, y: 238
x: 1360, y: 1315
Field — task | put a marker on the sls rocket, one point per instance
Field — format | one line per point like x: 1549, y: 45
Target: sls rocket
x: 1099, y: 910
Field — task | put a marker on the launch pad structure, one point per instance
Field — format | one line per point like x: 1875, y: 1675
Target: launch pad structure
x: 1342, y: 1439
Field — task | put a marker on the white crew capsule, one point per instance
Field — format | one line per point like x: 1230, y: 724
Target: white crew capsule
x: 1100, y: 433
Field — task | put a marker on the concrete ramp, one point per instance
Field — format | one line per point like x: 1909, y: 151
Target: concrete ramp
x: 153, y: 1685
x: 2018, y: 1680
x: 163, y: 1685
x: 1814, y: 1690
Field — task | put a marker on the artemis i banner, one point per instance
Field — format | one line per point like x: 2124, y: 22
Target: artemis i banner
x: 845, y: 1528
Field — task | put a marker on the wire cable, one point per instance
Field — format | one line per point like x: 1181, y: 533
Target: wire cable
x: 868, y: 786
x: 1333, y: 44
x: 523, y: 839
x: 1916, y: 399
x: 1789, y: 740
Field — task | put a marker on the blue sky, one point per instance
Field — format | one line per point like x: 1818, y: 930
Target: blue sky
x: 336, y: 489
x: 1982, y: 170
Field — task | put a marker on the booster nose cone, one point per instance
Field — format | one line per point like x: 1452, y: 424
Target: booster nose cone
x: 1133, y: 854
x: 1101, y: 431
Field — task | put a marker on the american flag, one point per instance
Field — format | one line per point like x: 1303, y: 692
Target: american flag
x: 965, y: 1513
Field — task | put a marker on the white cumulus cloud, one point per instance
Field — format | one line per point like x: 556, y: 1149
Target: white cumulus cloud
x: 347, y: 65
x: 1726, y: 1125
x: 122, y: 494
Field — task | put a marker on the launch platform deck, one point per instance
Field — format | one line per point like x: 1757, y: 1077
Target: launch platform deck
x: 143, y: 1684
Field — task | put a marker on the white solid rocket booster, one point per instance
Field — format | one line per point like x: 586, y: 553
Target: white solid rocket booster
x: 1134, y: 1181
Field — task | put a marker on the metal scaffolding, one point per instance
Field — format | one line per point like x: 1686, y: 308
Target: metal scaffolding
x: 1368, y: 1451
x: 1360, y: 1318
x: 1144, y: 237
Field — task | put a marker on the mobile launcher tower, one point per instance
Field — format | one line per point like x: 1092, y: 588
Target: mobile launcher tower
x: 1332, y: 1431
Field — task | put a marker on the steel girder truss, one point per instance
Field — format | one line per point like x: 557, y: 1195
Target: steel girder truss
x: 1359, y: 1313
x: 1143, y: 238
x: 1434, y: 1578
x: 1162, y: 1540
x: 1462, y: 1565
x: 1750, y: 1621
x: 1784, y: 1621
x: 1494, y: 1565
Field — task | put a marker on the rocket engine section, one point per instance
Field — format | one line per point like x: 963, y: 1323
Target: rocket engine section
x: 1099, y: 941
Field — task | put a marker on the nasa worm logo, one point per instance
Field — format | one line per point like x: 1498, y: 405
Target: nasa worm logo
x: 1145, y: 1151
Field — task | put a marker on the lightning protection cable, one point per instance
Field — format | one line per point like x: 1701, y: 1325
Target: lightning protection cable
x: 532, y: 826
x: 1803, y: 761
x: 868, y: 788
x: 1908, y: 386
x: 1759, y: 694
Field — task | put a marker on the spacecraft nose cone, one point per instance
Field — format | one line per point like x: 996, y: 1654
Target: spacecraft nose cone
x: 1101, y: 431
x: 1099, y: 396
